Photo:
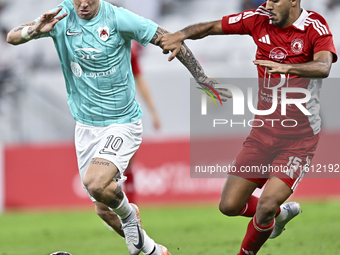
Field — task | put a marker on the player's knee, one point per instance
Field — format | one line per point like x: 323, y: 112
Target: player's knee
x: 229, y: 208
x: 96, y: 191
x: 94, y: 187
x: 266, y: 210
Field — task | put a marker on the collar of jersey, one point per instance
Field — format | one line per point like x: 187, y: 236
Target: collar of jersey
x: 95, y: 19
x: 300, y: 22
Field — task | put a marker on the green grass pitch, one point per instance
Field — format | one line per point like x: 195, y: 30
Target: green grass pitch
x: 192, y: 230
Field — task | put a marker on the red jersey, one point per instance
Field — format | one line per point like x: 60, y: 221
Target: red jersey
x: 294, y: 44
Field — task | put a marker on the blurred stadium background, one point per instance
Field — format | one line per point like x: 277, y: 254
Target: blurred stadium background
x: 38, y: 167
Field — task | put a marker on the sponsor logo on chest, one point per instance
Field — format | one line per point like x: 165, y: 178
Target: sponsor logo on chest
x: 278, y: 54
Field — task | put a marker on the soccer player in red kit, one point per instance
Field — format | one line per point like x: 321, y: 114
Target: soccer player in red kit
x: 295, y: 50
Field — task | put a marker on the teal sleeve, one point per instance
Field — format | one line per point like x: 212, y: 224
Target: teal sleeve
x: 131, y: 26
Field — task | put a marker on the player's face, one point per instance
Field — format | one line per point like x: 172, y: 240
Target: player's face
x: 86, y: 9
x: 279, y: 11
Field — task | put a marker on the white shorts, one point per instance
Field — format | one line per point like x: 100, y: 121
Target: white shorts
x: 116, y: 143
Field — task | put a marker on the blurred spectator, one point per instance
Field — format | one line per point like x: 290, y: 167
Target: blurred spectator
x: 251, y: 4
x: 151, y: 9
x: 333, y: 3
x: 6, y: 61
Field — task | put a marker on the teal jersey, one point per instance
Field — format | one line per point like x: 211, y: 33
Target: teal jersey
x: 95, y: 57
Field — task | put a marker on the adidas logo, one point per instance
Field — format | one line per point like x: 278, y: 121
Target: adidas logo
x: 265, y: 39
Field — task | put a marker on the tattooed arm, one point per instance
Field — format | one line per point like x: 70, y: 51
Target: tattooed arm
x: 173, y: 42
x: 26, y: 32
x: 14, y: 36
x: 188, y: 59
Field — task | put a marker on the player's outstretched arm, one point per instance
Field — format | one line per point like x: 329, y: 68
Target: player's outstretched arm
x: 28, y: 31
x: 186, y: 57
x: 173, y: 42
x: 318, y: 68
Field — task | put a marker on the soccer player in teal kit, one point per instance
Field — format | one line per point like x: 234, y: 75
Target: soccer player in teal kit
x: 93, y: 42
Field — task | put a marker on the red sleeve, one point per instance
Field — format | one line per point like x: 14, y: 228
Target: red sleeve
x: 241, y: 23
x: 322, y: 38
x: 135, y: 64
x: 325, y: 43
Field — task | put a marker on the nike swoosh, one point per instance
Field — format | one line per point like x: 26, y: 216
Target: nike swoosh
x: 140, y: 244
x: 69, y: 33
x: 103, y: 151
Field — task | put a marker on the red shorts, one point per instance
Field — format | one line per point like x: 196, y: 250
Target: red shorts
x: 264, y: 156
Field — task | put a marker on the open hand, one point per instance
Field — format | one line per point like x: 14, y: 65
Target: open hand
x: 220, y: 94
x: 272, y: 67
x: 47, y: 21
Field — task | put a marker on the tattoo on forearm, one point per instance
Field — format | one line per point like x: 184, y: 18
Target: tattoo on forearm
x: 30, y: 23
x: 188, y: 59
x: 21, y: 27
x: 18, y: 29
x: 32, y: 33
x: 119, y: 195
x: 160, y: 31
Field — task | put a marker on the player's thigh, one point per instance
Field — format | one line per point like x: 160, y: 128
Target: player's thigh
x: 100, y: 173
x: 249, y: 163
x: 245, y: 177
x: 291, y: 164
x: 119, y: 143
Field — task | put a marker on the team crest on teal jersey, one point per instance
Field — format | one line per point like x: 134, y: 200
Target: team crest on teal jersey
x: 104, y: 33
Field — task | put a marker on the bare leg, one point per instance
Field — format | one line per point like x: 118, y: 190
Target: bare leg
x: 274, y: 194
x: 98, y: 181
x: 261, y: 226
x: 109, y: 217
x: 235, y: 194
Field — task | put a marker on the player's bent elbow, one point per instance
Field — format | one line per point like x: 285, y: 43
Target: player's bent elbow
x: 9, y: 39
x: 322, y: 73
x: 13, y: 40
x: 325, y: 73
x: 324, y: 70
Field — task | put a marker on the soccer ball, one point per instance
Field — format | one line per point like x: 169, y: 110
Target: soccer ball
x: 60, y: 253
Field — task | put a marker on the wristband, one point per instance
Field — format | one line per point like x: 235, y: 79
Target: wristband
x: 24, y: 33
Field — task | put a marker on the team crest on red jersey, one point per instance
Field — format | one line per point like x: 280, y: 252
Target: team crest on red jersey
x: 278, y: 54
x: 297, y: 45
x: 104, y: 33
